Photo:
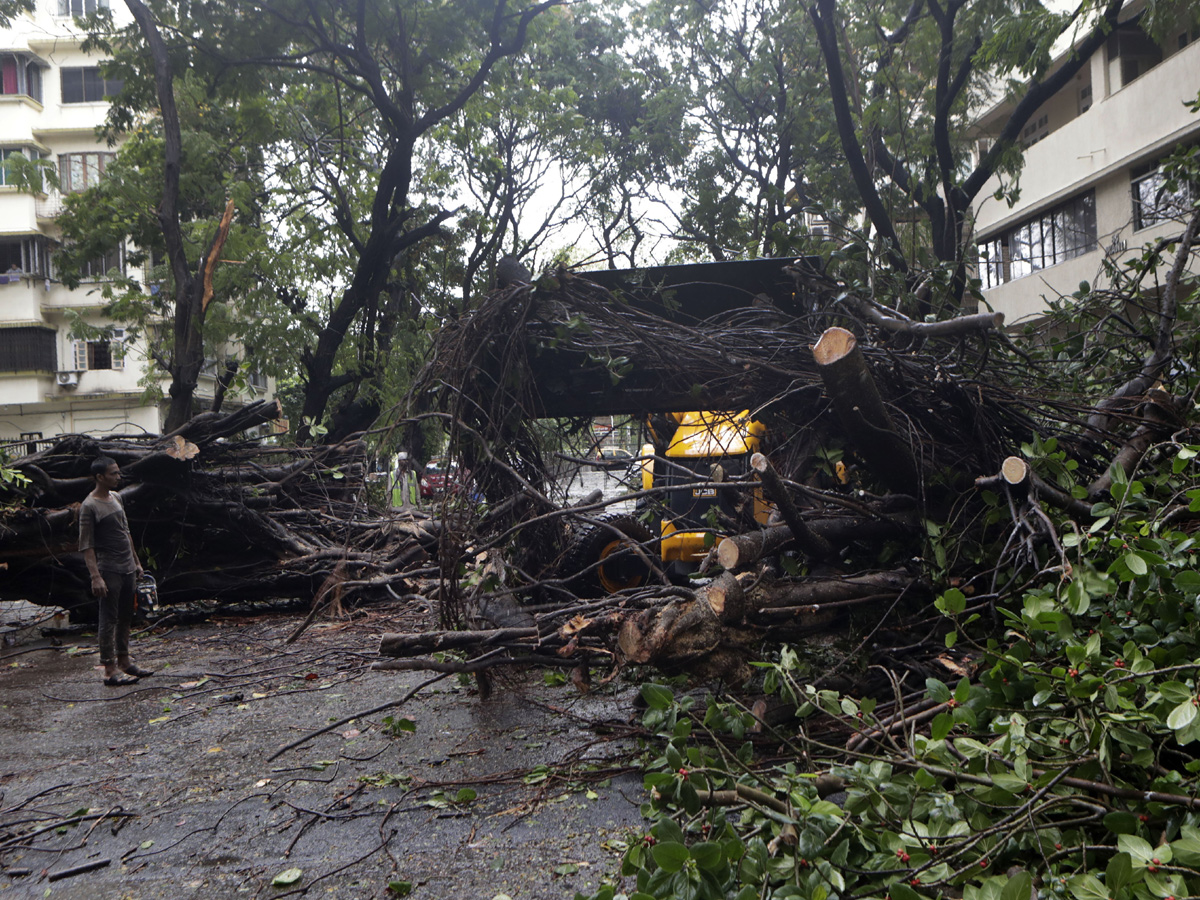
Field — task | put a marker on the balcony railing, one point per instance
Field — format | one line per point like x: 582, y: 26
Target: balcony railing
x: 48, y: 206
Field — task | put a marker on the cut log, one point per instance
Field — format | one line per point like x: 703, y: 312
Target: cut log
x: 817, y: 590
x: 862, y: 413
x: 809, y: 542
x: 1015, y: 477
x: 741, y: 550
x: 1019, y: 479
x: 402, y: 645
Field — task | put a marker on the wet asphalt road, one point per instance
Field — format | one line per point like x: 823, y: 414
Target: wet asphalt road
x: 172, y: 784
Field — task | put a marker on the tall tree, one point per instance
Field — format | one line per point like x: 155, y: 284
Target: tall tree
x: 520, y: 149
x: 905, y: 80
x: 412, y: 65
x: 186, y: 185
x: 761, y: 149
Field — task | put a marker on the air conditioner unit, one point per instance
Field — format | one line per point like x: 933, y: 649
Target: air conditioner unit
x: 68, y: 379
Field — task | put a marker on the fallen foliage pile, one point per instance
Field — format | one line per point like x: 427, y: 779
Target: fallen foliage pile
x: 216, y: 519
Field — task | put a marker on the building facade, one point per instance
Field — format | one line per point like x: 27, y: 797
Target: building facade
x: 1091, y: 188
x: 51, y: 102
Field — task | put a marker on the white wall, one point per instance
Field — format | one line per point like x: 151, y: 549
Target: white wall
x: 1138, y: 122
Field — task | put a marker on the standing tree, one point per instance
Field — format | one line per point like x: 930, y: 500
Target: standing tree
x: 761, y: 151
x: 905, y: 81
x: 411, y: 66
x: 186, y: 185
x: 361, y: 89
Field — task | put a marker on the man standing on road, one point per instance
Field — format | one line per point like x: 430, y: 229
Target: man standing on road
x: 112, y: 562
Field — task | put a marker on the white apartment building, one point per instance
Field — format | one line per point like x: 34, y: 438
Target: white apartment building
x: 1091, y: 187
x: 51, y: 101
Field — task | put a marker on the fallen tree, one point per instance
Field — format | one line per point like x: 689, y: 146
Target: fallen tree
x: 216, y: 518
x: 920, y: 416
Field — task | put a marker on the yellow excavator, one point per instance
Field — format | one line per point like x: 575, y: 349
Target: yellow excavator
x: 695, y: 463
x: 699, y: 462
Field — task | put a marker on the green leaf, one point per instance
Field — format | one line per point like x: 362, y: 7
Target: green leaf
x: 1186, y: 850
x: 1182, y: 716
x: 952, y: 602
x: 1188, y: 581
x: 1121, y: 822
x: 1135, y: 563
x: 670, y: 856
x: 1119, y: 871
x: 286, y: 877
x: 1087, y: 887
x: 657, y: 696
x: 708, y: 855
x: 1018, y: 887
x: 941, y: 726
x: 962, y: 691
x: 1175, y: 691
x: 1137, y: 847
x: 400, y: 888
x: 938, y: 692
x: 667, y: 831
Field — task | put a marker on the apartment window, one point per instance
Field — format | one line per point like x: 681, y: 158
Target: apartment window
x: 1157, y: 197
x: 1035, y: 131
x: 7, y: 168
x: 100, y: 354
x: 1131, y: 53
x: 98, y: 269
x: 29, y: 256
x: 20, y: 75
x: 85, y: 84
x: 1059, y: 234
x: 1085, y: 98
x: 992, y: 263
x: 28, y: 348
x: 80, y: 171
x: 80, y: 7
x: 8, y: 165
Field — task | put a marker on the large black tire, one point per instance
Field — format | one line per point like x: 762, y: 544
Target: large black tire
x: 599, y: 561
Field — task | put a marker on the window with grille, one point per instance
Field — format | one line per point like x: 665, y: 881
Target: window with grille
x: 80, y: 7
x: 1159, y: 197
x: 28, y: 348
x: 1064, y: 232
x: 101, y: 267
x: 29, y: 256
x: 85, y: 84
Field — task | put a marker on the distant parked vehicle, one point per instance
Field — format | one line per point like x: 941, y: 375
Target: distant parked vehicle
x: 615, y: 456
x: 439, y: 477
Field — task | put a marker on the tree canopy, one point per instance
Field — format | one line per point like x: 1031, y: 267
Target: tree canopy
x: 376, y: 161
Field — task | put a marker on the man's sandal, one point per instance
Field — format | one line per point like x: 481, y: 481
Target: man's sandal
x: 120, y: 680
x: 138, y: 671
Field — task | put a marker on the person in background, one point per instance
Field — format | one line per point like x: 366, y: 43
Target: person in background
x: 404, y: 486
x: 113, y: 564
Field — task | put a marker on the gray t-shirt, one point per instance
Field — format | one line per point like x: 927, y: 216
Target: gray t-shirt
x: 104, y: 528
